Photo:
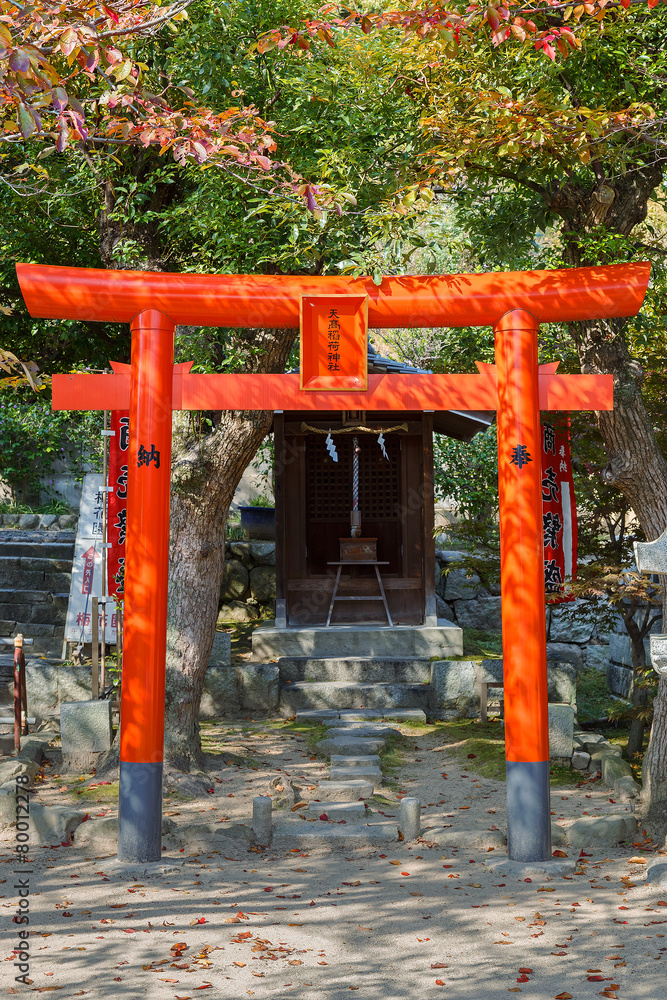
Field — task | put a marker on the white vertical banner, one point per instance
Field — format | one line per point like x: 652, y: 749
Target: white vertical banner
x: 87, y: 569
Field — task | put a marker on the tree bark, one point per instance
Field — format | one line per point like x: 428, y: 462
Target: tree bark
x: 635, y: 464
x: 206, y: 472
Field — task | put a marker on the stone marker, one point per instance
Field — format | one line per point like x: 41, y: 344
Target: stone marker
x: 85, y: 733
x: 561, y: 730
x: 651, y: 557
x: 409, y: 821
x: 261, y: 819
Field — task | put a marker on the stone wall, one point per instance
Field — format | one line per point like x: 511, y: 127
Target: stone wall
x: 37, y: 522
x: 249, y: 582
x: 463, y: 599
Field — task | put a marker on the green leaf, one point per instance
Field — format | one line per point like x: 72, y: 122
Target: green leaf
x: 27, y: 123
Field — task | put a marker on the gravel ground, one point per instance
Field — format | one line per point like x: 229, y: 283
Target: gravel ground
x: 410, y: 920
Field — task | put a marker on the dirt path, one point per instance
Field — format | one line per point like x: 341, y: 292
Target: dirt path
x: 407, y: 921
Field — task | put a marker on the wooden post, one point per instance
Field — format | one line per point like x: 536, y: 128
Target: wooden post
x: 104, y: 554
x: 279, y: 463
x: 95, y: 650
x: 428, y: 519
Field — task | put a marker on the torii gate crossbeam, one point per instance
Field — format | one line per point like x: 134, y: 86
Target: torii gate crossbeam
x: 512, y: 303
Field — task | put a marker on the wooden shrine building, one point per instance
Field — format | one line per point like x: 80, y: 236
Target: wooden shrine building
x: 314, y: 498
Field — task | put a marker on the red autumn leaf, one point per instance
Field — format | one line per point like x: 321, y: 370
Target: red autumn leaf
x: 522, y: 979
x: 439, y: 982
x: 559, y: 854
x: 595, y: 979
x: 526, y: 972
x: 324, y: 817
x: 439, y: 965
x: 564, y: 996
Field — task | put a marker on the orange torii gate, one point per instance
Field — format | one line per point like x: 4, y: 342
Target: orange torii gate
x: 513, y: 303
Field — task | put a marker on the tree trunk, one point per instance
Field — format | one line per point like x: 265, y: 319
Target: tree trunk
x: 206, y: 472
x: 635, y: 463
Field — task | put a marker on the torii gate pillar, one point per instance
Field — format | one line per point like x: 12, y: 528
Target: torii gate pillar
x: 522, y: 589
x: 146, y: 574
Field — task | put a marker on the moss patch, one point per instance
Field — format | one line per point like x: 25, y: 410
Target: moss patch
x: 312, y: 731
x: 594, y: 700
x: 97, y: 793
x: 480, y: 747
x: 480, y: 645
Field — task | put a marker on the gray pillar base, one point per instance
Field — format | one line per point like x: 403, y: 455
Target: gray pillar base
x: 528, y: 811
x: 140, y: 812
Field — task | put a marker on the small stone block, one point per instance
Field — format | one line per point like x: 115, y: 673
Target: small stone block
x: 561, y: 730
x: 581, y: 760
x: 336, y: 811
x: 409, y: 822
x: 261, y: 819
x: 657, y: 873
x: 85, y: 727
x: 345, y: 791
x: 601, y: 831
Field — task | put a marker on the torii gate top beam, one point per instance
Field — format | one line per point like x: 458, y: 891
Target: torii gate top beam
x: 273, y: 301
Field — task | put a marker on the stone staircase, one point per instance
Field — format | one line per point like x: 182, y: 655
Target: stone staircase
x: 338, y: 811
x: 35, y: 572
x: 379, y: 683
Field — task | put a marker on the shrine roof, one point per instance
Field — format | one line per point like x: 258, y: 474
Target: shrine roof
x: 460, y: 424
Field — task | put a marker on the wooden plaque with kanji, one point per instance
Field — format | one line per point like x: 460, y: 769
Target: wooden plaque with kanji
x: 334, y: 330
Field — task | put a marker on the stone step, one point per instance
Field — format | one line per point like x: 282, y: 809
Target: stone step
x: 41, y: 550
x: 405, y: 714
x: 345, y: 760
x: 343, y: 694
x: 297, y: 833
x: 373, y: 774
x: 20, y: 578
x: 343, y: 791
x: 337, y: 811
x: 358, y: 717
x: 402, y: 641
x: 365, y: 669
x: 355, y: 746
x: 361, y: 730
